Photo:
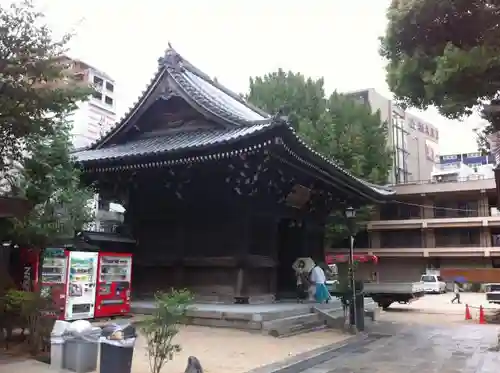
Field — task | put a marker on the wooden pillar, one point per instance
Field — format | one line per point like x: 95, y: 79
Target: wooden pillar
x: 273, y: 283
x: 242, y: 252
x: 180, y: 270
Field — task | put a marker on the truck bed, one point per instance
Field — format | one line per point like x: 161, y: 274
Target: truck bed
x: 393, y: 288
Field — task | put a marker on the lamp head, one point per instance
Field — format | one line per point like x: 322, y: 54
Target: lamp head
x: 350, y: 212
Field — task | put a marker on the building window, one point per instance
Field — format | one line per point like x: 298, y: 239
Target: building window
x: 110, y: 87
x: 420, y: 127
x: 401, y: 239
x: 413, y: 125
x: 446, y: 237
x: 431, y: 130
x: 456, y: 209
x: 97, y: 95
x: 437, y: 135
x: 108, y: 100
x: 98, y: 81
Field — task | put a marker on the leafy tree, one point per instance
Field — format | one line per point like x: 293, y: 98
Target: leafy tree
x: 294, y: 95
x: 444, y: 53
x: 49, y: 179
x: 336, y: 126
x: 38, y: 91
x: 36, y: 83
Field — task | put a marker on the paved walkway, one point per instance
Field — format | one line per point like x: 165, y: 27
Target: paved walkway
x: 388, y: 348
x: 417, y: 349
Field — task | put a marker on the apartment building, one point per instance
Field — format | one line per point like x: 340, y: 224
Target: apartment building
x: 414, y: 142
x: 450, y: 222
x: 91, y: 120
x: 96, y: 116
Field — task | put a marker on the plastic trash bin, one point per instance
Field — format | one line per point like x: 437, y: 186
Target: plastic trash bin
x: 81, y: 349
x: 57, y: 344
x: 117, y: 348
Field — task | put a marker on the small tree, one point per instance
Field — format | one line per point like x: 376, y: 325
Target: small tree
x: 163, y: 326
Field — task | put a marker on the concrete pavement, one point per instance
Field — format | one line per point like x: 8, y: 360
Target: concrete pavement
x: 387, y: 348
x: 462, y: 349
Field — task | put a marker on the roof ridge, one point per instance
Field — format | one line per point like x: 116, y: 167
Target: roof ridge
x: 171, y: 59
x: 172, y: 56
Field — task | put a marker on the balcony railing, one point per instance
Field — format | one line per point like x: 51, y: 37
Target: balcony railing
x: 473, y: 177
x: 420, y: 252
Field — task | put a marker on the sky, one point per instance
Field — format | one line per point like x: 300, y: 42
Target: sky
x: 233, y: 40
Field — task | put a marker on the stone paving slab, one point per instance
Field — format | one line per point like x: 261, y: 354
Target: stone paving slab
x: 25, y: 366
x: 418, y: 348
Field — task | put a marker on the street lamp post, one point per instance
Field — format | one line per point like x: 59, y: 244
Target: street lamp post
x: 350, y: 214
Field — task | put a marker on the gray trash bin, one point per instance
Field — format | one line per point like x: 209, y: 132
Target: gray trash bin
x: 117, y: 348
x: 57, y: 344
x: 81, y: 350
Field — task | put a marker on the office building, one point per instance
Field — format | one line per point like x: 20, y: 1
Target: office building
x: 414, y: 142
x: 446, y: 222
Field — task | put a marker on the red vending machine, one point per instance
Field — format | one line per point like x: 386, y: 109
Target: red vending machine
x: 113, y: 284
x: 52, y: 279
x: 68, y: 277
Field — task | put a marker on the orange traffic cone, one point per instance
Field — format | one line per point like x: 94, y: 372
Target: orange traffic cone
x: 467, y: 313
x: 482, y: 320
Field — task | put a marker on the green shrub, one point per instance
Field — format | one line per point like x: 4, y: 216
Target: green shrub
x: 160, y: 329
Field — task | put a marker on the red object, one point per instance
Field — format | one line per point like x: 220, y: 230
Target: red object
x: 83, y: 284
x: 467, y: 313
x: 344, y: 258
x: 113, y: 284
x: 27, y: 274
x: 30, y: 279
x: 482, y: 319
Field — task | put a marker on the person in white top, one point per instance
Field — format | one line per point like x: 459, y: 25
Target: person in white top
x: 318, y: 285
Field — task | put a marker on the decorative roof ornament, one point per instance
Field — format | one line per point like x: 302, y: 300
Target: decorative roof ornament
x: 280, y: 117
x: 171, y: 59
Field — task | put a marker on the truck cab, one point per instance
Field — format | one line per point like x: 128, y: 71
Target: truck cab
x: 433, y: 284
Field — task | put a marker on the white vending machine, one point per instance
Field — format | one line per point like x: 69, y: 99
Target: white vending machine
x: 81, y: 285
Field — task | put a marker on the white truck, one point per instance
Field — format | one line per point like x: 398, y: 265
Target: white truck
x: 492, y: 293
x: 386, y: 293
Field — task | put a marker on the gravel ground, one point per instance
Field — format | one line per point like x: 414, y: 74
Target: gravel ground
x: 232, y: 351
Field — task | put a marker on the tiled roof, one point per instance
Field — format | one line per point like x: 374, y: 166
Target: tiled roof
x: 169, y: 143
x: 197, y: 88
x: 215, y: 101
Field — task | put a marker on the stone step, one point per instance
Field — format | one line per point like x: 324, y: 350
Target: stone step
x: 292, y: 325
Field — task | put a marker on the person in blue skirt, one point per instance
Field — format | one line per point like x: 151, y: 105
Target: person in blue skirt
x: 318, y: 281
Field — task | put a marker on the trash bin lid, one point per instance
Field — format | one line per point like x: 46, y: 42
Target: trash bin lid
x: 79, y: 326
x: 60, y: 328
